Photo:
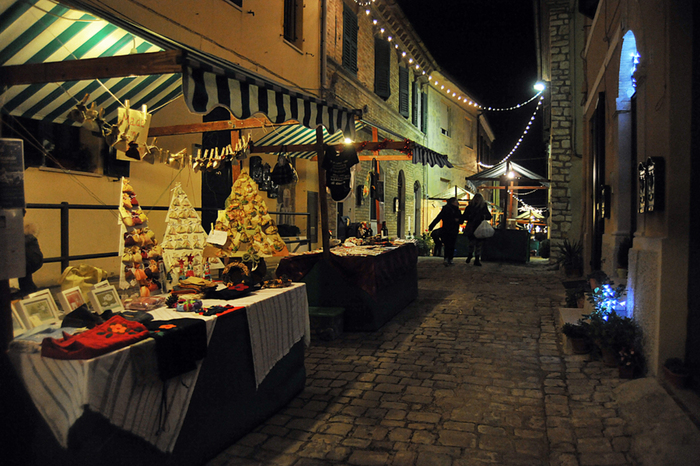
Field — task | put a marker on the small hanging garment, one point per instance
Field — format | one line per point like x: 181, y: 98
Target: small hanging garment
x: 338, y: 175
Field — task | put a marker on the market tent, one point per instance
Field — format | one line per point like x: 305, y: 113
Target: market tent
x: 44, y: 41
x: 455, y: 191
x: 502, y: 169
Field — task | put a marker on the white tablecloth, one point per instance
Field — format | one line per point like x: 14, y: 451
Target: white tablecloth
x: 120, y: 386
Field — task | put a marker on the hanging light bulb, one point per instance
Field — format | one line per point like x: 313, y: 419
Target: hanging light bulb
x: 539, y: 87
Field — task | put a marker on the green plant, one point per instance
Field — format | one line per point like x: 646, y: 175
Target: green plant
x: 613, y: 331
x: 573, y: 295
x: 579, y: 330
x: 570, y: 255
x: 424, y: 244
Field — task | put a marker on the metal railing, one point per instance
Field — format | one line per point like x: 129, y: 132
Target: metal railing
x: 65, y: 258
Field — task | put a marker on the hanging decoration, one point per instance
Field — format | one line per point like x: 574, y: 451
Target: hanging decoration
x: 142, y: 256
x: 383, y: 30
x: 184, y: 240
x: 520, y: 140
x: 128, y: 137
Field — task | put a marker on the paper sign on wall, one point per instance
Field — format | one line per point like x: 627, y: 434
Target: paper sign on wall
x: 135, y: 130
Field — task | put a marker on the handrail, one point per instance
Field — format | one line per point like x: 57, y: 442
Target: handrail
x: 66, y: 207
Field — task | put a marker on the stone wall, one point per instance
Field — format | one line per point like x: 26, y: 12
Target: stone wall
x: 561, y: 132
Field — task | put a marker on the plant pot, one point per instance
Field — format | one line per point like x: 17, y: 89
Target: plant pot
x: 580, y: 345
x: 626, y: 372
x: 677, y: 380
x: 609, y: 358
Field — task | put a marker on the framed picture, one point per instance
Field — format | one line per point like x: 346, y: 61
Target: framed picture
x: 47, y: 294
x: 105, y: 298
x: 71, y: 299
x: 18, y: 325
x: 37, y: 310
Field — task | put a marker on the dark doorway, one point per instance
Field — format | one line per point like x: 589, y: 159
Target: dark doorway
x: 401, y: 214
x: 600, y: 192
x: 216, y: 184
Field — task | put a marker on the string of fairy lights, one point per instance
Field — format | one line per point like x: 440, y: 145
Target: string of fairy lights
x: 520, y: 139
x: 456, y: 94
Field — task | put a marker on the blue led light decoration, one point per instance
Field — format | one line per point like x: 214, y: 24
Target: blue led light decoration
x: 629, y: 62
x: 607, y: 299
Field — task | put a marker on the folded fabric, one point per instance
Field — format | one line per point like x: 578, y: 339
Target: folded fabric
x: 180, y: 343
x: 82, y: 317
x: 112, y: 335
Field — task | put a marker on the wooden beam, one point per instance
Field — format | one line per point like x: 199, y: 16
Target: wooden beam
x: 140, y: 64
x: 514, y: 187
x: 228, y: 125
x: 366, y: 146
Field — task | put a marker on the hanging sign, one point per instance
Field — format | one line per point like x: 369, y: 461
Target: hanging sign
x: 651, y: 185
x: 133, y: 131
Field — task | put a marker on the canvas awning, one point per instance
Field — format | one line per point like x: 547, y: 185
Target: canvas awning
x: 497, y: 171
x: 43, y: 32
x: 455, y: 191
x: 300, y: 135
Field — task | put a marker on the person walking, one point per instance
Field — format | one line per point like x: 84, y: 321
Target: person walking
x: 476, y: 212
x: 451, y: 218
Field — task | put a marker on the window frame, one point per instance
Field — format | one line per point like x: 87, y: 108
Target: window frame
x: 293, y: 22
x: 382, y: 68
x: 404, y: 99
x: 350, y: 30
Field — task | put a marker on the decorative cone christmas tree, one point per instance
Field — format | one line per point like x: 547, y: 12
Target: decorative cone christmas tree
x: 251, y: 232
x: 184, y: 240
x: 142, y: 257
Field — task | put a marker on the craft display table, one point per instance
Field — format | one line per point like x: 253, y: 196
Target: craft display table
x: 372, y: 289
x: 107, y: 410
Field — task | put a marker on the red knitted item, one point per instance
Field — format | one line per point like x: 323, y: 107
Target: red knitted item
x: 116, y: 333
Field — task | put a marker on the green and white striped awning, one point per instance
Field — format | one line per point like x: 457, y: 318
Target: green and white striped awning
x: 298, y: 134
x: 43, y: 31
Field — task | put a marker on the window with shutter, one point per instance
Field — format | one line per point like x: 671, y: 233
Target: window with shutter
x: 403, y: 91
x: 350, y: 28
x: 293, y: 21
x: 423, y: 112
x: 238, y: 3
x: 415, y: 108
x: 382, y: 68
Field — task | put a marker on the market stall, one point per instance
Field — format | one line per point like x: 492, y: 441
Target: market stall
x: 508, y: 242
x: 372, y: 283
x: 117, y: 402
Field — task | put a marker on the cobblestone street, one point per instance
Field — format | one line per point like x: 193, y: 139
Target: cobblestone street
x: 470, y: 373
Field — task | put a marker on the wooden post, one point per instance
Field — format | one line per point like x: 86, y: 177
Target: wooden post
x: 510, y: 201
x: 322, y: 198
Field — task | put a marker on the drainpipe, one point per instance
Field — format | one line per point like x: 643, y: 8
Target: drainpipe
x: 324, y: 24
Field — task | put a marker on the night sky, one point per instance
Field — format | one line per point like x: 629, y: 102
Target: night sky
x: 488, y: 47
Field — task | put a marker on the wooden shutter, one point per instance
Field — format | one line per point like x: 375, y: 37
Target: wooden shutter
x: 290, y: 20
x: 382, y: 68
x: 415, y: 108
x: 423, y: 112
x: 403, y: 91
x: 349, y: 39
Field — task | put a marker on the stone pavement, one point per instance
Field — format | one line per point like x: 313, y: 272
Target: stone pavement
x: 471, y: 373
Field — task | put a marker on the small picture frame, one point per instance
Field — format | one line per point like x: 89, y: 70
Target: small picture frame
x: 105, y: 298
x: 18, y: 325
x: 52, y: 301
x: 101, y: 284
x: 38, y: 310
x: 71, y: 299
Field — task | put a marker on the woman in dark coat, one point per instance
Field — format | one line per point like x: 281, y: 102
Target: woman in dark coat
x: 474, y: 214
x: 451, y: 218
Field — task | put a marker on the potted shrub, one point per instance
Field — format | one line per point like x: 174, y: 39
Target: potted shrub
x: 630, y: 363
x: 578, y: 336
x: 676, y: 372
x: 575, y: 297
x: 570, y: 258
x: 424, y: 244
